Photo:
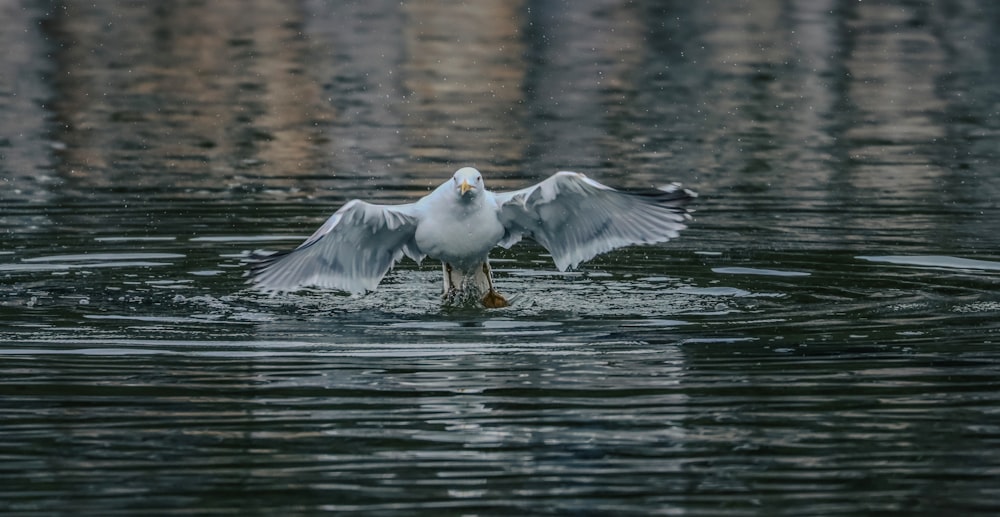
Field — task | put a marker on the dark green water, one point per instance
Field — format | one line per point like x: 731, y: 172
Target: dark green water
x: 823, y: 340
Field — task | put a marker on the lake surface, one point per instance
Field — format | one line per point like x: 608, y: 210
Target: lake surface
x: 822, y: 340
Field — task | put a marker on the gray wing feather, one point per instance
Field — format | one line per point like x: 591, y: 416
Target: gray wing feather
x: 576, y: 218
x: 352, y: 251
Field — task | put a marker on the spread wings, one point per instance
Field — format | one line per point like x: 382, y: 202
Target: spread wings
x: 572, y: 216
x: 577, y: 218
x: 352, y: 251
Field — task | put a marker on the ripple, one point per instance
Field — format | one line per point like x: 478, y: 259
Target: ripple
x: 42, y: 267
x: 934, y: 261
x: 134, y: 239
x: 103, y: 257
x: 758, y: 271
x: 248, y: 238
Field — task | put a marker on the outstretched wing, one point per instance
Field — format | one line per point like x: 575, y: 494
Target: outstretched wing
x: 352, y: 251
x: 577, y: 218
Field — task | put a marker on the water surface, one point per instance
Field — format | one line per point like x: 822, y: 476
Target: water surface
x: 821, y: 341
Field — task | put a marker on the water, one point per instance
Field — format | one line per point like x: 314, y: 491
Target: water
x: 821, y: 341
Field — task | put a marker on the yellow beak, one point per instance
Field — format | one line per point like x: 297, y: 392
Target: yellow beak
x: 465, y: 187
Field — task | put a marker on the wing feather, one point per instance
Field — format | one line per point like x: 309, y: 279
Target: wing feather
x: 352, y: 251
x: 576, y: 218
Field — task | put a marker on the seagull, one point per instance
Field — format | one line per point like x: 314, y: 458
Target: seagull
x: 572, y: 216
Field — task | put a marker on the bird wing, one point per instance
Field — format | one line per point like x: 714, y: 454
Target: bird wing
x: 576, y: 218
x: 352, y: 251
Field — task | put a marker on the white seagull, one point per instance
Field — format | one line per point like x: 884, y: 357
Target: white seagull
x: 574, y: 217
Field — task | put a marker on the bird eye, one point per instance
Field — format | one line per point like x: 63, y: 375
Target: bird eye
x: 479, y: 178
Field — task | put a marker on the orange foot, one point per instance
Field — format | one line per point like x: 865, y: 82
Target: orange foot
x: 494, y: 300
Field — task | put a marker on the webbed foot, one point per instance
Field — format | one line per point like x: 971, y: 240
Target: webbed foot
x: 494, y: 300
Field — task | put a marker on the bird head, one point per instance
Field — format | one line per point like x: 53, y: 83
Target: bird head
x: 468, y: 181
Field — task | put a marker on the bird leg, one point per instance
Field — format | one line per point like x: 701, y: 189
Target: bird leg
x: 492, y: 299
x: 450, y: 287
x: 461, y: 287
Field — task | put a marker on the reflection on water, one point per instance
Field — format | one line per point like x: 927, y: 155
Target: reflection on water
x: 822, y: 340
x: 937, y: 261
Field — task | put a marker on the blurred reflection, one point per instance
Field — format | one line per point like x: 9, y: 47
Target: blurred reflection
x: 772, y: 97
x: 165, y: 96
x: 357, y: 50
x: 584, y: 60
x: 25, y: 150
x: 464, y: 74
x: 816, y: 105
x: 833, y: 110
x: 967, y: 32
x: 894, y: 65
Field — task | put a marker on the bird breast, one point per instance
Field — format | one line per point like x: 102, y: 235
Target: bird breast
x: 462, y: 237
